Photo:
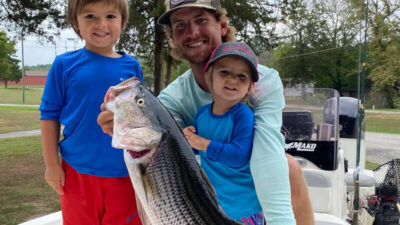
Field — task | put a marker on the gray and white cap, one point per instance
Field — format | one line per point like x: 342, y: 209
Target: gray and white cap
x: 173, y: 5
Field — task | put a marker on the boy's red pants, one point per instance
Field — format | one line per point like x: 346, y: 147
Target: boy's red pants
x: 92, y: 200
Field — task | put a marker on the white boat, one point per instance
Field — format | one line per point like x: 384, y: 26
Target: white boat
x: 326, y: 148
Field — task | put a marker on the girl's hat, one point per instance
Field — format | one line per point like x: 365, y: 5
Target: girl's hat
x: 235, y: 49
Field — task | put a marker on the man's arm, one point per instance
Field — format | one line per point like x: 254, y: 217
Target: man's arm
x: 268, y: 163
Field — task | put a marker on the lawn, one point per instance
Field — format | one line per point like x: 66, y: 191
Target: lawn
x: 382, y: 123
x: 13, y: 94
x: 24, y: 193
x: 18, y: 118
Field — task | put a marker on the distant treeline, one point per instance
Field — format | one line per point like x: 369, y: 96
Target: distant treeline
x: 44, y: 67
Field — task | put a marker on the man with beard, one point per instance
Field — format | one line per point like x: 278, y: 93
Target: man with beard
x: 195, y: 28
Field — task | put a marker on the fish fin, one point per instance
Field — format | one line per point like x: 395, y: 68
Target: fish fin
x: 142, y: 213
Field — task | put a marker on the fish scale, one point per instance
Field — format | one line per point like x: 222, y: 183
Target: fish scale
x: 170, y: 187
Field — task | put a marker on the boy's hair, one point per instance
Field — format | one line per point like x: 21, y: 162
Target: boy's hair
x: 209, y: 81
x: 220, y: 15
x: 74, y: 6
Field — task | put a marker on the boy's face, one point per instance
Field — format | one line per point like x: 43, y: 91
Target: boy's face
x: 231, y: 79
x: 99, y: 25
x: 196, y: 32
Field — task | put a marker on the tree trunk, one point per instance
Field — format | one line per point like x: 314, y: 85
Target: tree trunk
x: 169, y: 68
x: 158, y: 50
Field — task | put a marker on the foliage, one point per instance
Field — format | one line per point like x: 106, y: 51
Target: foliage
x: 320, y: 46
x: 43, y: 18
x: 44, y: 67
x: 384, y: 47
x: 8, y: 64
x: 144, y: 37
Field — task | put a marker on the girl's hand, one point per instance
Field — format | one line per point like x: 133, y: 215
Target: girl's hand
x: 195, y: 140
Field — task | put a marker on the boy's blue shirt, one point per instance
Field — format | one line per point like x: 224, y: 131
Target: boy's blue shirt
x: 75, y: 88
x: 226, y: 161
x: 268, y: 163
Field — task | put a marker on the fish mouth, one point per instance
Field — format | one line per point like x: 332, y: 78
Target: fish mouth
x: 137, y: 155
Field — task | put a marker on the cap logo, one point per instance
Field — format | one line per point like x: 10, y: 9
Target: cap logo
x: 175, y: 3
x: 239, y: 47
x: 215, y: 3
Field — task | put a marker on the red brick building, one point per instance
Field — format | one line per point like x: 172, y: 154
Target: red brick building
x: 32, y: 78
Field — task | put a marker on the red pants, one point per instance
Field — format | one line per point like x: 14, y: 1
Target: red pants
x: 92, y: 200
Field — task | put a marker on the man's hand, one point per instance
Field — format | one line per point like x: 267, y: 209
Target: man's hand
x: 106, y: 120
x: 55, y: 177
x: 195, y: 140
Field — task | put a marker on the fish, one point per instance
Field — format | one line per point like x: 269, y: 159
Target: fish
x: 170, y: 186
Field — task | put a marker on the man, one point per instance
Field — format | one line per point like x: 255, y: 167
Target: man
x: 195, y: 28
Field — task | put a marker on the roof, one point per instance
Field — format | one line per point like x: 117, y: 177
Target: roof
x: 36, y: 73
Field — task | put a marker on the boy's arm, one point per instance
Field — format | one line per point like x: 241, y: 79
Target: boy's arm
x: 55, y: 177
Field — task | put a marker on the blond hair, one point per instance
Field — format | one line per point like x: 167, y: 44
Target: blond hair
x: 74, y: 6
x: 209, y: 81
x: 220, y: 15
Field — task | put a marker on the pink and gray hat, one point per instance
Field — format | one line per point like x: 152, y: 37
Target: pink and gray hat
x: 173, y: 5
x: 235, y: 49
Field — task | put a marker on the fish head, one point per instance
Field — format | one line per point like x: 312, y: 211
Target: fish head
x: 134, y: 128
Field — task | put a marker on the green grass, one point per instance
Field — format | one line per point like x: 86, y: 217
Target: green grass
x: 18, y: 118
x: 382, y: 123
x: 371, y: 165
x: 24, y: 193
x: 13, y: 94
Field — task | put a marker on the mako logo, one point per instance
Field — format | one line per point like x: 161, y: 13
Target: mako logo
x: 300, y: 146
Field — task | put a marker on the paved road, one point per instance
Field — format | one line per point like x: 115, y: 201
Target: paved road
x: 21, y: 134
x: 382, y: 148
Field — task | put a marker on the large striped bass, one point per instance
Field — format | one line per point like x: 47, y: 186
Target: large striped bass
x: 170, y: 186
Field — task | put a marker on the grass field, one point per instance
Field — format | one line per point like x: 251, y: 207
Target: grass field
x: 18, y: 118
x: 24, y: 193
x: 13, y: 94
x: 382, y: 123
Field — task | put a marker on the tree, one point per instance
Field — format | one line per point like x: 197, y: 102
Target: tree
x: 8, y: 64
x: 320, y: 45
x: 255, y: 21
x: 145, y: 38
x: 291, y: 56
x: 384, y: 47
x: 41, y: 17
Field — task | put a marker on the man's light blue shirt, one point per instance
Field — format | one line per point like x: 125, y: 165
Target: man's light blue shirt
x: 268, y: 162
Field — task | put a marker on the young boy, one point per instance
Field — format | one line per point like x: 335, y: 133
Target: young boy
x: 225, y: 131
x: 92, y: 178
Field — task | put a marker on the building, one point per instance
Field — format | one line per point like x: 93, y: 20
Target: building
x: 32, y: 78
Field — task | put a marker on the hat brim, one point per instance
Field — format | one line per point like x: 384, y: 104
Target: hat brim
x: 164, y: 18
x: 254, y: 71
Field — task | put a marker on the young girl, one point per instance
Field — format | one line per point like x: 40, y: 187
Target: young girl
x: 223, y: 131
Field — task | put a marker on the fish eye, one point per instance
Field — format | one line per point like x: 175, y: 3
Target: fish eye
x: 140, y: 101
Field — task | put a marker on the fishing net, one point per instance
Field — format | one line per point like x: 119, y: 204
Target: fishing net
x: 387, y: 177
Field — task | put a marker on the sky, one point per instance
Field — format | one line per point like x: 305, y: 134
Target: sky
x: 36, y: 53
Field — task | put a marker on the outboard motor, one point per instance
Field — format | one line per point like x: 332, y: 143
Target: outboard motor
x: 348, y: 116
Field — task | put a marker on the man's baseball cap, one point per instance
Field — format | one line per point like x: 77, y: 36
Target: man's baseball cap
x: 235, y: 49
x: 173, y: 5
